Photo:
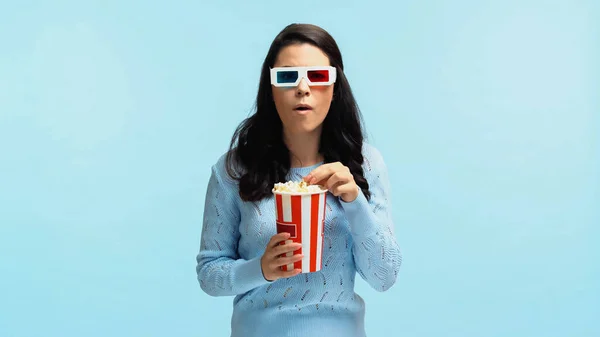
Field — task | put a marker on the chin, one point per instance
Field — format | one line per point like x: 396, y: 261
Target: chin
x: 304, y: 129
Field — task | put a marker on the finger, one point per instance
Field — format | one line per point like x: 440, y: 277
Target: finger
x: 286, y: 248
x: 284, y: 261
x: 323, y: 172
x: 321, y: 182
x: 343, y: 189
x: 335, y: 191
x: 277, y: 238
x: 338, y: 178
x: 320, y: 173
x: 290, y: 273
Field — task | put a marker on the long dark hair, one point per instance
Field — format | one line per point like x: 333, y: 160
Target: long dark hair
x: 258, y: 157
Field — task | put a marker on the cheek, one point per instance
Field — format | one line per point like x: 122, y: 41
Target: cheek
x: 324, y: 97
x: 280, y: 100
x: 276, y: 95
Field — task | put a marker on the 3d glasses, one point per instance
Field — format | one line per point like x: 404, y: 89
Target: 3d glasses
x: 314, y: 75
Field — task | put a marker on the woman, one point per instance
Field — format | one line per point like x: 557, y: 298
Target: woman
x: 306, y: 126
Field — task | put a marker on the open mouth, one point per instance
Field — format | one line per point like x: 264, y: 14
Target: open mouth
x: 302, y: 107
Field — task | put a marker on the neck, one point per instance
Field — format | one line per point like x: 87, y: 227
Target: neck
x: 304, y: 148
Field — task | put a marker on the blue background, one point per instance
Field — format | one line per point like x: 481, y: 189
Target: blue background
x: 486, y: 112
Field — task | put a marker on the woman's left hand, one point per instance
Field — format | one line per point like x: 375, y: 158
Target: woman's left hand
x: 336, y: 178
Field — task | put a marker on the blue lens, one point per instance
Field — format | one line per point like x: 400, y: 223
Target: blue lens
x: 287, y: 76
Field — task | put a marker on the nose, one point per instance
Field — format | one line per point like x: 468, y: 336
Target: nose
x: 303, y: 89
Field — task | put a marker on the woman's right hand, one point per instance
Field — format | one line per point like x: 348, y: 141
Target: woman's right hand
x: 274, y: 257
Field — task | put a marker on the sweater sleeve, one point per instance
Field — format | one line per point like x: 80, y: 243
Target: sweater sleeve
x: 220, y: 270
x: 375, y: 250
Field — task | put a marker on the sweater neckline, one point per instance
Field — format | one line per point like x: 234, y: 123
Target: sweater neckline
x: 304, y: 170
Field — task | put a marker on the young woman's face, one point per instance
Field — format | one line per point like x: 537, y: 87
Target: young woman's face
x: 318, y: 98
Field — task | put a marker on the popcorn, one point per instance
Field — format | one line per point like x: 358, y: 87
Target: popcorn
x: 297, y: 187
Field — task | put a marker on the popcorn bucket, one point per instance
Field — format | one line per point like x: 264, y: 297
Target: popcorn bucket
x: 302, y: 214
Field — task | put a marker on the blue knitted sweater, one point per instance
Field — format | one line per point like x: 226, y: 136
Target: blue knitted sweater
x: 358, y: 238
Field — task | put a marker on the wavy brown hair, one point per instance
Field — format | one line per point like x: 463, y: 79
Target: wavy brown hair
x: 258, y: 157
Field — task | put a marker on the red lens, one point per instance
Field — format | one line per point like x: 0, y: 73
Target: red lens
x: 318, y: 75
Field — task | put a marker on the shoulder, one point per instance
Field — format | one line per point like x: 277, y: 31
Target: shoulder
x: 221, y: 171
x: 375, y: 171
x: 373, y: 160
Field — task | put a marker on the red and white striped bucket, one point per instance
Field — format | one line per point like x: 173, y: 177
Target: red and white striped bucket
x: 303, y: 216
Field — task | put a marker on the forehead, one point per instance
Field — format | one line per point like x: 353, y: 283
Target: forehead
x: 301, y: 55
